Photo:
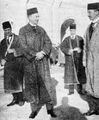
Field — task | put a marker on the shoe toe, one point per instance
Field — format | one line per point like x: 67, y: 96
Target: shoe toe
x: 33, y: 115
x: 89, y: 113
x: 51, y: 112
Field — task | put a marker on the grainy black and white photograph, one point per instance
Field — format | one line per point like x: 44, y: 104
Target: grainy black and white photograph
x: 49, y: 59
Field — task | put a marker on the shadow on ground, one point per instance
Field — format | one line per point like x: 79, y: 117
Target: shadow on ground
x: 66, y: 112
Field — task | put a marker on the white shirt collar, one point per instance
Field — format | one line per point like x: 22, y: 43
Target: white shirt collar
x: 95, y: 20
x: 73, y: 37
x: 31, y: 24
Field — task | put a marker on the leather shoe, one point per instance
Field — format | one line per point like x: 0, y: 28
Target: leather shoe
x: 81, y: 93
x: 33, y: 115
x: 91, y: 112
x: 51, y: 112
x: 13, y: 102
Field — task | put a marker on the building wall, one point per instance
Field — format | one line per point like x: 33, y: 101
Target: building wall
x: 15, y: 12
x: 52, y: 15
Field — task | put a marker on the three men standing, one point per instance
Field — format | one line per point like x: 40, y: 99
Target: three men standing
x: 36, y: 46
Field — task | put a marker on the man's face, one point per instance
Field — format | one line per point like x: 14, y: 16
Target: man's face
x: 7, y: 32
x: 92, y: 14
x: 34, y: 18
x: 72, y: 32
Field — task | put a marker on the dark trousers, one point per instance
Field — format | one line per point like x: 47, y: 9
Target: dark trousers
x: 37, y: 107
x: 80, y: 88
x: 71, y: 88
x: 93, y: 103
x: 18, y: 96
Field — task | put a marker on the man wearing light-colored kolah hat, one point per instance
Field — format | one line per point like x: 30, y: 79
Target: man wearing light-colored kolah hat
x: 35, y: 47
x: 91, y: 59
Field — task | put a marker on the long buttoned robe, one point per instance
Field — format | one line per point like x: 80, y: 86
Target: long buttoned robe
x: 37, y: 81
x: 76, y: 61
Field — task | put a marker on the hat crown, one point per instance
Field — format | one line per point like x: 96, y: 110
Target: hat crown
x: 32, y: 11
x: 73, y: 26
x: 6, y: 25
x: 93, y: 6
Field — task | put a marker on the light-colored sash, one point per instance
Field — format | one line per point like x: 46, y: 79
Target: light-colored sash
x: 9, y: 46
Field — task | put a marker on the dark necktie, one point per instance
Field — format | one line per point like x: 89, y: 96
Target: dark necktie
x: 91, y: 30
x: 7, y: 40
x: 34, y: 28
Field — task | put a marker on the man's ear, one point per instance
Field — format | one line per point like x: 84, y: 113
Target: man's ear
x: 96, y: 12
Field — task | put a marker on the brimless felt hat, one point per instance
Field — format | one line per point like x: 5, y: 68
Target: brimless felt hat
x: 73, y: 26
x: 6, y: 25
x: 32, y: 11
x: 93, y: 6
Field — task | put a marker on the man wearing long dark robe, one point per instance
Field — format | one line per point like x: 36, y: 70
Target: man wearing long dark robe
x: 72, y: 47
x: 35, y: 47
x: 12, y: 74
x: 91, y: 59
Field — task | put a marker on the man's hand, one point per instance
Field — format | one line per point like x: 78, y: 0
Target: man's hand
x: 11, y: 50
x: 77, y: 49
x: 70, y: 51
x: 39, y: 55
x: 84, y: 63
x: 3, y: 61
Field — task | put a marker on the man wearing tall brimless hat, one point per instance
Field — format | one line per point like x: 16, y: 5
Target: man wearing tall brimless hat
x: 35, y: 47
x: 8, y: 58
x: 91, y: 59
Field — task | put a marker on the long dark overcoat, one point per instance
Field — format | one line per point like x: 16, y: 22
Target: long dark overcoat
x: 69, y: 77
x: 37, y: 81
x: 12, y: 72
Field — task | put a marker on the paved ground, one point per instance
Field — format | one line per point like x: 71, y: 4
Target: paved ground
x: 17, y: 112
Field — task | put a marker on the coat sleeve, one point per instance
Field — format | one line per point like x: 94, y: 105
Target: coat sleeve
x: 2, y: 50
x: 81, y: 44
x: 15, y: 45
x: 47, y: 44
x: 65, y: 47
x: 24, y: 48
x: 84, y: 51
